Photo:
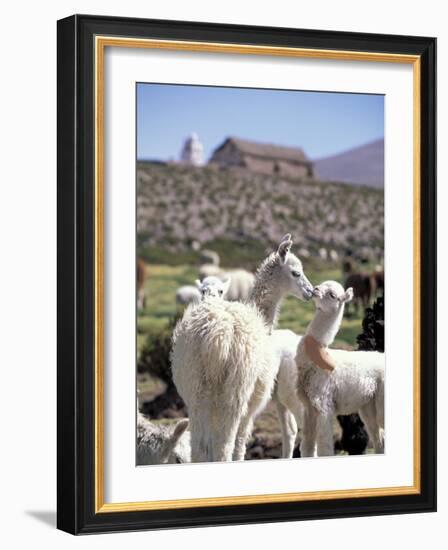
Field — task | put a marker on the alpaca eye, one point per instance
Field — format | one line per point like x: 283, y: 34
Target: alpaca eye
x: 220, y: 292
x: 333, y: 295
x: 296, y: 274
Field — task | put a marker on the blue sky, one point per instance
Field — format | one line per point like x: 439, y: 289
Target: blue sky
x: 321, y: 123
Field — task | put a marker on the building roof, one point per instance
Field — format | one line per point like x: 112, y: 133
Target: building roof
x: 267, y: 150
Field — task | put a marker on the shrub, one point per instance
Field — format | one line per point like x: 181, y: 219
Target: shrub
x: 155, y: 354
x: 155, y: 360
x: 372, y: 336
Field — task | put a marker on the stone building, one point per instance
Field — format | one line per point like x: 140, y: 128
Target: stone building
x: 263, y: 158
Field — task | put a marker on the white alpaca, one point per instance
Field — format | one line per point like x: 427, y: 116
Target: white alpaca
x: 187, y: 294
x: 284, y: 344
x: 209, y: 270
x: 209, y: 257
x: 352, y: 382
x: 159, y: 444
x: 213, y: 287
x: 223, y: 362
x: 241, y: 286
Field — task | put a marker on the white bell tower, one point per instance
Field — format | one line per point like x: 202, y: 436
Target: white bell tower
x: 192, y: 152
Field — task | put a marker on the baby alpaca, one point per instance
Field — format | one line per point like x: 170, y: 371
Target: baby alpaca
x: 345, y: 382
x: 213, y: 287
x: 158, y: 444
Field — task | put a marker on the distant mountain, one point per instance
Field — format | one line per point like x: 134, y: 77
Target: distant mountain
x: 362, y: 166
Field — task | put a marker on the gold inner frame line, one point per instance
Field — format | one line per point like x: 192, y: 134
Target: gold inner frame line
x: 101, y: 42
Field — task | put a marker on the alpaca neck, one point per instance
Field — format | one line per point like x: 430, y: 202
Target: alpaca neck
x: 266, y: 297
x: 269, y: 307
x: 325, y: 326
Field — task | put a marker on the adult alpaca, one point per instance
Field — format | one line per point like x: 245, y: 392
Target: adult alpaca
x: 354, y: 381
x: 223, y: 362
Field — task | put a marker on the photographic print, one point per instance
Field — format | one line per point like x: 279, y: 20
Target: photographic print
x: 259, y: 274
x: 246, y: 274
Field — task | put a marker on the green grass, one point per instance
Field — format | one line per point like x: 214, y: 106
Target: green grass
x: 163, y: 281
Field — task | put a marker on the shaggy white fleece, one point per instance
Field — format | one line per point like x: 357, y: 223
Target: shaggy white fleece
x: 357, y: 378
x: 221, y: 337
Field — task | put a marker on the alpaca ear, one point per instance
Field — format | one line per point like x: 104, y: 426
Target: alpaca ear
x: 226, y: 283
x: 198, y: 284
x: 348, y: 296
x: 284, y: 247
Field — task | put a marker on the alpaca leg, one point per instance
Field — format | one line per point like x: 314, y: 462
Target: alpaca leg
x: 199, y: 448
x: 308, y: 443
x: 288, y: 427
x: 368, y: 416
x: 200, y: 437
x: 379, y: 408
x: 243, y: 434
x: 212, y: 434
x: 325, y: 443
x: 258, y: 400
x: 224, y: 439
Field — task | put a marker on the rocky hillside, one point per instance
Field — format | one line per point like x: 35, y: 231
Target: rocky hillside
x: 178, y: 205
x: 363, y: 165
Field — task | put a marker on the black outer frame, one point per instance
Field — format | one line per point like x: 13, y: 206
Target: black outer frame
x: 75, y: 402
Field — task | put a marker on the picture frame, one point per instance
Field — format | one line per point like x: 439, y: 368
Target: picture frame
x: 82, y: 194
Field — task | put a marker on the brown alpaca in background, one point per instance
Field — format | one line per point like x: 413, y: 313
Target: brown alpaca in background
x: 364, y: 287
x: 141, y: 275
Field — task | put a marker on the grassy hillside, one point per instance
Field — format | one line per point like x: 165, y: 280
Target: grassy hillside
x: 241, y: 214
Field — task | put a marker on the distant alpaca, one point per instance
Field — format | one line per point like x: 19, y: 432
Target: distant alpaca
x: 364, y: 288
x: 187, y: 294
x: 222, y: 359
x: 242, y: 281
x: 209, y: 270
x: 354, y: 381
x: 209, y: 257
x: 241, y: 286
x: 159, y: 444
x: 141, y: 276
x: 378, y: 276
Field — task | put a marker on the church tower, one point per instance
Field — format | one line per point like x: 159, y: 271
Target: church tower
x: 192, y: 152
